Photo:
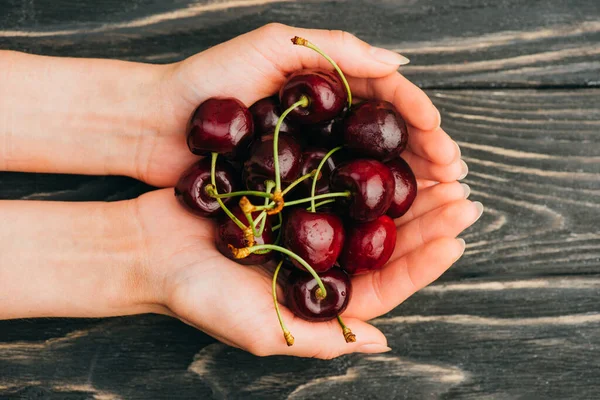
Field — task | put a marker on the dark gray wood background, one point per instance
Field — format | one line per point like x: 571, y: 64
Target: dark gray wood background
x: 518, y: 83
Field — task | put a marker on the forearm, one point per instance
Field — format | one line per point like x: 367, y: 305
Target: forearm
x: 71, y: 260
x: 70, y: 115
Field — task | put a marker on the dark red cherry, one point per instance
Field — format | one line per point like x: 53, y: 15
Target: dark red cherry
x: 405, y: 187
x: 375, y: 129
x: 221, y: 125
x: 328, y: 135
x: 316, y: 237
x: 266, y: 113
x: 311, y: 158
x: 324, y: 90
x: 228, y: 233
x: 190, y: 189
x: 371, y: 185
x: 302, y: 301
x: 260, y: 165
x: 368, y: 246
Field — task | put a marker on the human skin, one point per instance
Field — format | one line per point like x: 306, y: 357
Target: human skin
x: 148, y: 255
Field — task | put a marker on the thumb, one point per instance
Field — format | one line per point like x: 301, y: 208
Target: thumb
x: 323, y: 340
x: 257, y: 63
x: 354, y: 56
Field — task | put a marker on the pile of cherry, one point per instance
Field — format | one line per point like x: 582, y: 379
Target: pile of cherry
x: 308, y: 179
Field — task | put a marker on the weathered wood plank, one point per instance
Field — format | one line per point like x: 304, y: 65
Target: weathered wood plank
x: 453, y: 43
x: 449, y: 341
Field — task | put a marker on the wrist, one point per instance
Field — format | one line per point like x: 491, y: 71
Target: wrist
x: 69, y: 115
x: 72, y: 260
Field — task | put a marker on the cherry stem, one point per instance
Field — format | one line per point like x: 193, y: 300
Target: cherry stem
x: 321, y: 293
x: 303, y: 102
x: 289, y: 339
x: 269, y: 185
x: 303, y: 42
x: 319, y: 197
x: 317, y: 176
x: 321, y: 203
x: 348, y: 335
x: 278, y: 239
x: 298, y: 181
x: 213, y: 167
x: 211, y: 191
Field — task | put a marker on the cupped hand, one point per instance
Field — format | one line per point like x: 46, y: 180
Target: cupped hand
x: 255, y: 65
x: 232, y: 302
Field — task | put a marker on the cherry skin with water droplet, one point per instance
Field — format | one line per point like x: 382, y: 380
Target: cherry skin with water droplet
x: 228, y: 233
x: 368, y: 245
x: 375, y: 129
x: 324, y: 90
x: 266, y: 113
x: 405, y: 190
x: 191, y: 187
x: 371, y: 185
x: 220, y: 125
x: 261, y: 165
x: 302, y: 301
x: 316, y: 237
x: 311, y: 158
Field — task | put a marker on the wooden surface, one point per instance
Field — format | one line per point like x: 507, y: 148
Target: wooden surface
x: 517, y: 318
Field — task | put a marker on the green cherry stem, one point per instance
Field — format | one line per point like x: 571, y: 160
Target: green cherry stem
x: 298, y: 181
x: 321, y: 203
x: 319, y: 197
x: 289, y: 339
x: 348, y: 335
x: 269, y: 185
x: 317, y: 173
x: 303, y: 42
x: 303, y: 102
x: 213, y: 167
x: 210, y: 190
x: 321, y: 293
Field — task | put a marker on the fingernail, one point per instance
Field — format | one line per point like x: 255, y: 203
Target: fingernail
x: 458, y: 149
x: 466, y: 190
x: 464, y: 170
x: 463, y: 244
x: 439, y: 117
x: 388, y: 57
x: 373, y: 348
x: 479, y: 208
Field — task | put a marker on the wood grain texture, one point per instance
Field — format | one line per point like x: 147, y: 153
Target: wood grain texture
x: 451, y: 43
x: 532, y: 338
x: 516, y: 318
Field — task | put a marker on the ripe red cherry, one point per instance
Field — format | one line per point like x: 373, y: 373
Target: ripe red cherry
x: 316, y: 237
x: 302, y: 301
x: 261, y: 166
x: 221, y: 125
x: 311, y: 158
x: 368, y: 246
x: 191, y: 187
x: 328, y: 135
x: 228, y: 233
x: 266, y: 113
x: 371, y: 185
x: 405, y: 187
x: 324, y: 90
x: 375, y: 129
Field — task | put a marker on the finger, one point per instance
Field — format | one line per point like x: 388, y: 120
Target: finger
x: 434, y: 197
x: 435, y: 146
x: 412, y: 103
x: 446, y: 221
x: 323, y: 340
x: 425, y: 183
x: 380, y: 291
x: 425, y: 169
